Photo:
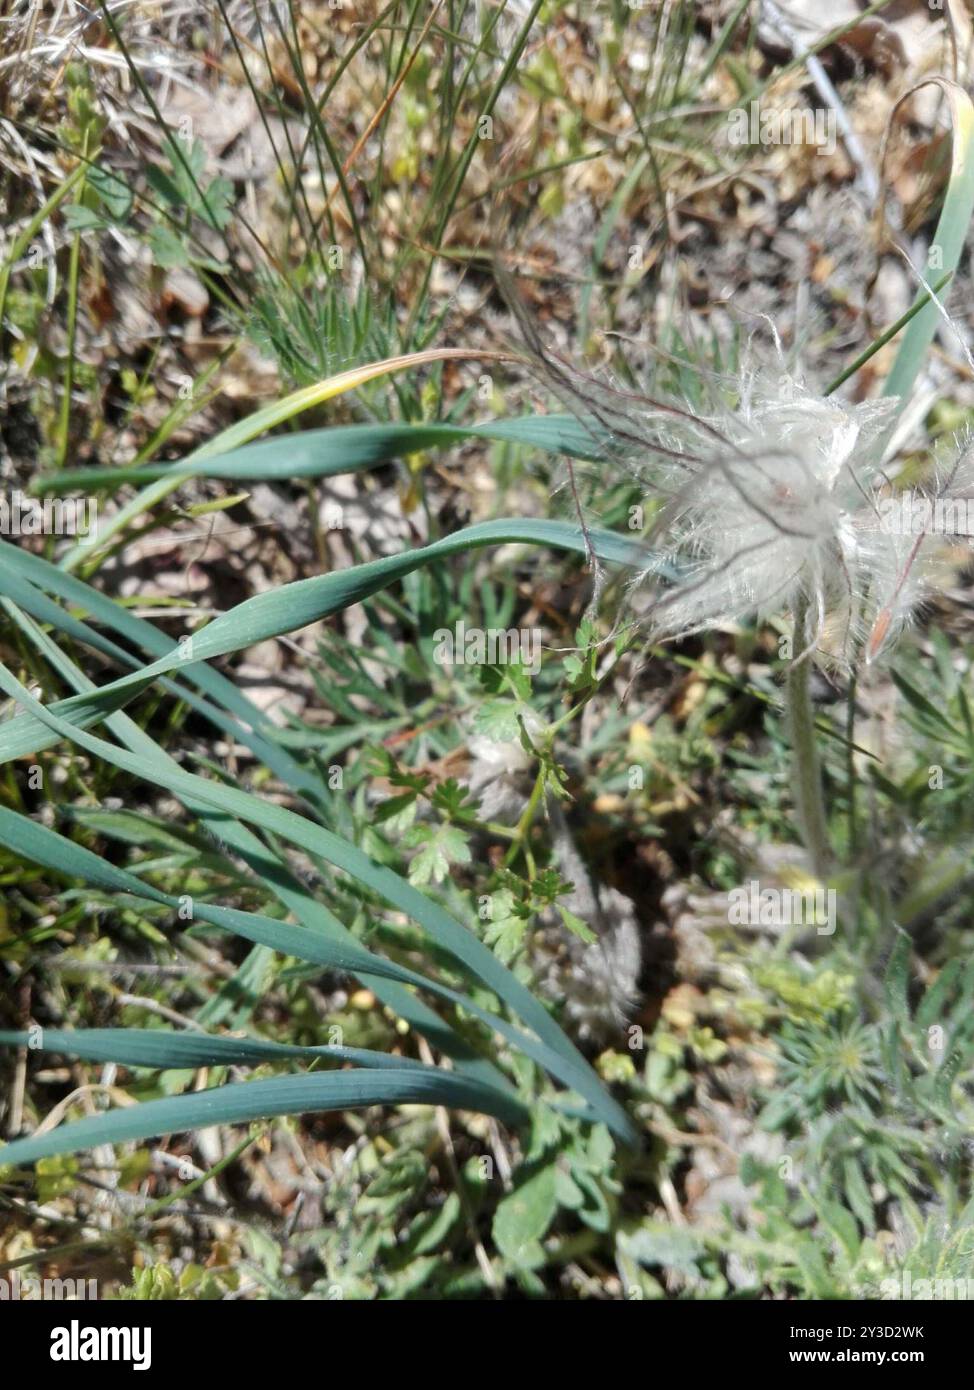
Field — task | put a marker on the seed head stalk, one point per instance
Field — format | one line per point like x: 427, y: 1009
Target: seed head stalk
x: 806, y: 769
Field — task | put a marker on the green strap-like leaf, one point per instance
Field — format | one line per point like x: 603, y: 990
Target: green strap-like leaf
x: 165, y: 1049
x: 948, y: 241
x: 242, y: 1102
x: 345, y: 449
x: 294, y: 606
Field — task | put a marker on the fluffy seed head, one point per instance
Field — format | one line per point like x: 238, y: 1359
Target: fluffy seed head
x: 770, y: 496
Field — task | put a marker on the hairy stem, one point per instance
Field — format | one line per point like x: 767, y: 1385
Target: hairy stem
x: 806, y: 771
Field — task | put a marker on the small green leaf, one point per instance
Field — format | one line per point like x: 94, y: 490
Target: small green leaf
x: 442, y: 848
x: 569, y: 1194
x: 166, y: 247
x: 497, y: 720
x: 506, y: 936
x: 575, y: 924
x: 219, y: 203
x: 842, y: 1224
x: 218, y: 504
x: 113, y: 192
x: 164, y: 186
x: 81, y: 219
x: 524, y: 1215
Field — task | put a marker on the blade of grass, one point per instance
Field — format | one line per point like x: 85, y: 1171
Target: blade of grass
x: 949, y: 238
x: 323, y: 453
x: 71, y: 326
x: 885, y: 337
x: 242, y: 1102
x: 164, y: 1049
x: 268, y: 418
x: 294, y: 606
